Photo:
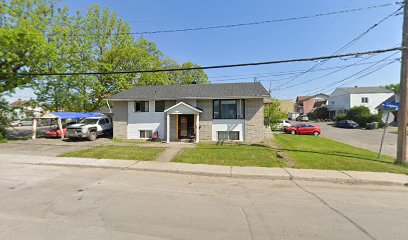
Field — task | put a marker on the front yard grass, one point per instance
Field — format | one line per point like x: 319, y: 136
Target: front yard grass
x: 117, y: 152
x: 230, y: 155
x: 322, y: 153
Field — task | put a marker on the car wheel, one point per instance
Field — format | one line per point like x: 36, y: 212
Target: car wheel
x: 316, y: 134
x: 293, y: 132
x: 92, y: 136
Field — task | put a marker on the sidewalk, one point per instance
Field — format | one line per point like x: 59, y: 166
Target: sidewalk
x: 352, y: 177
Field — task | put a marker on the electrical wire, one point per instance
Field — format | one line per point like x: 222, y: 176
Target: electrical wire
x: 206, y: 67
x: 349, y: 44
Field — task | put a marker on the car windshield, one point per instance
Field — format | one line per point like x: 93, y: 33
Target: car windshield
x: 89, y: 121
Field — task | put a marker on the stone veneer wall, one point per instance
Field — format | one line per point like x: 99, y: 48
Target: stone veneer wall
x: 205, y: 119
x: 120, y: 120
x: 254, y: 120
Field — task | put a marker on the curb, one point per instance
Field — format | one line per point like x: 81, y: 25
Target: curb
x: 175, y: 169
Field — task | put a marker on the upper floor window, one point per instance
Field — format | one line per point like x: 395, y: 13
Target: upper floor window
x: 159, y: 106
x: 141, y: 106
x: 229, y: 109
x: 364, y: 100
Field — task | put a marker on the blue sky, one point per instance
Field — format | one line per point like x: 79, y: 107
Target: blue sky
x: 274, y: 41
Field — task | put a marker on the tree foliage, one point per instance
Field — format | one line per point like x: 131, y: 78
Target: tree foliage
x: 320, y: 113
x: 273, y: 113
x: 95, y: 41
x: 361, y: 115
x: 393, y: 87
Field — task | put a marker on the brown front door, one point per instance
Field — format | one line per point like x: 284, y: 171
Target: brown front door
x: 185, y: 126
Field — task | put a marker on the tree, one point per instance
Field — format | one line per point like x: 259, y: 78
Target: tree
x: 319, y: 113
x: 393, y: 87
x: 273, y: 113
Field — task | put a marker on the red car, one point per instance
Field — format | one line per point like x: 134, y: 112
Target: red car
x: 304, y: 129
x: 55, y: 132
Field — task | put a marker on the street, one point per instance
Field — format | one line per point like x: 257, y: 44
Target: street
x: 50, y: 202
x: 368, y: 139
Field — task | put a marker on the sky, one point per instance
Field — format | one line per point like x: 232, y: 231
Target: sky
x: 266, y: 42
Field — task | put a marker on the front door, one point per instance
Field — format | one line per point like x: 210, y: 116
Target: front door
x: 185, y: 126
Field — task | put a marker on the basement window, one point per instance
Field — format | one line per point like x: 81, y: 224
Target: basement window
x: 145, y: 133
x: 227, y: 135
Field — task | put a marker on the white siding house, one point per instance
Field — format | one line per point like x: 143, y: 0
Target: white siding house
x: 342, y: 99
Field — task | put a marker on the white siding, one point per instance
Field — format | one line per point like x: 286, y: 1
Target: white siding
x: 374, y: 99
x: 338, y: 100
x: 151, y: 120
x: 228, y: 125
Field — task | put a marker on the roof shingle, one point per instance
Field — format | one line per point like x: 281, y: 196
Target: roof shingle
x: 193, y: 91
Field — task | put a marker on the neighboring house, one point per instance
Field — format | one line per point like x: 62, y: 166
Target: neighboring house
x: 342, y: 99
x: 21, y: 109
x: 287, y: 106
x: 306, y: 104
x: 233, y: 111
x: 391, y: 104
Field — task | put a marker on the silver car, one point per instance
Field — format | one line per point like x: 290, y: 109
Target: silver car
x: 21, y: 122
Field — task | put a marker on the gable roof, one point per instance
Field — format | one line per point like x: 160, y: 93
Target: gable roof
x: 193, y: 91
x: 301, y: 99
x: 362, y: 90
x: 184, y: 104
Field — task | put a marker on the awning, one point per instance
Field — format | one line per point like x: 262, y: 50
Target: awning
x: 70, y: 115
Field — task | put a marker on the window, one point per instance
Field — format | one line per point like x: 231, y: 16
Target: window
x: 145, y: 133
x: 159, y: 106
x: 332, y: 102
x: 228, y: 135
x: 102, y: 121
x: 364, y: 100
x: 229, y: 109
x: 141, y: 106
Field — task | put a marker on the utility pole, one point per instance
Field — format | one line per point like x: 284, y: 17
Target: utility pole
x: 402, y: 111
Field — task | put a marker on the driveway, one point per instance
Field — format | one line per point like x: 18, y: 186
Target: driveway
x: 368, y: 139
x: 49, y: 202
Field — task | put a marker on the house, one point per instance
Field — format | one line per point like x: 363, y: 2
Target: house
x: 21, y: 109
x: 391, y: 104
x: 231, y: 111
x: 306, y: 104
x: 287, y: 106
x: 342, y: 99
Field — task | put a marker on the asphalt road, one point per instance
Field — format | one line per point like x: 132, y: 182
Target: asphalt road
x: 49, y: 202
x: 368, y: 139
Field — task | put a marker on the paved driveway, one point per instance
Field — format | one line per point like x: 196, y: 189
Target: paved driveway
x: 48, y: 202
x: 368, y: 139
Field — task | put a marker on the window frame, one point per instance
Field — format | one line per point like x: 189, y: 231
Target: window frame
x: 140, y: 103
x: 155, y: 106
x: 145, y: 131
x: 239, y: 108
x: 364, y: 99
x: 228, y: 135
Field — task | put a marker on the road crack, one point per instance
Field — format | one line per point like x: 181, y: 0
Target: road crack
x: 355, y: 224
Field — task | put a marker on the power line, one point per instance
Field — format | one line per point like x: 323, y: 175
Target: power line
x: 207, y: 67
x: 327, y: 86
x: 243, y: 24
x: 349, y: 44
x: 341, y: 67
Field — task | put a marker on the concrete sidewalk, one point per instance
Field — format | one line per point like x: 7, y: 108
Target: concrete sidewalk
x: 352, y: 177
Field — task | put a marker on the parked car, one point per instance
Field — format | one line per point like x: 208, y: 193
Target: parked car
x: 90, y: 128
x: 55, y: 132
x: 304, y: 129
x: 21, y: 122
x: 347, y: 124
x: 302, y: 118
x: 284, y: 124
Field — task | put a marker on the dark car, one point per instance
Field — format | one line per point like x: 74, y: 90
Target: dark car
x: 304, y: 129
x: 347, y: 124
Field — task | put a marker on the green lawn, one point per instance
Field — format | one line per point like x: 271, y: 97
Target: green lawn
x: 117, y: 152
x: 230, y: 154
x: 323, y: 153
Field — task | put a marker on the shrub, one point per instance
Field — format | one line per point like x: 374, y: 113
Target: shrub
x: 319, y: 113
x: 341, y: 117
